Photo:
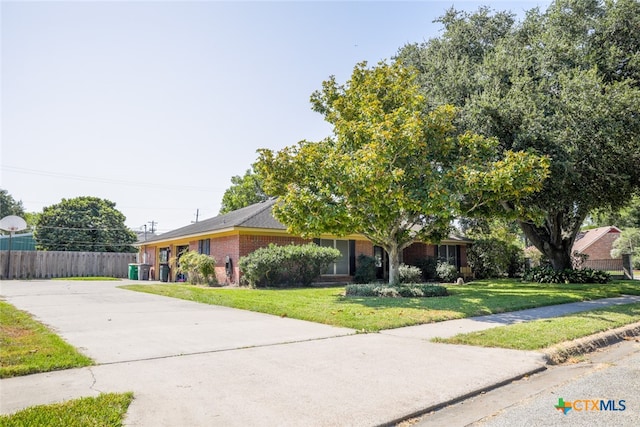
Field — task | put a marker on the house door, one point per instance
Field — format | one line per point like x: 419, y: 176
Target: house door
x: 382, y: 263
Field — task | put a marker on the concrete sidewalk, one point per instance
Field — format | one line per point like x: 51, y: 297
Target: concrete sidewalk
x: 196, y: 365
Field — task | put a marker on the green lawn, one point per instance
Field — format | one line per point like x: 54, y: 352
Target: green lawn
x: 544, y: 333
x: 106, y: 410
x: 27, y: 346
x: 368, y: 314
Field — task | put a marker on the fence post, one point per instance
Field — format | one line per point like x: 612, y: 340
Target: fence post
x: 627, y: 266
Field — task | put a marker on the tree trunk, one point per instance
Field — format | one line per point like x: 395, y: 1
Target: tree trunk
x: 394, y: 264
x: 555, y: 238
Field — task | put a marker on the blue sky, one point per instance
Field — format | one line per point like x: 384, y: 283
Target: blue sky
x: 156, y: 105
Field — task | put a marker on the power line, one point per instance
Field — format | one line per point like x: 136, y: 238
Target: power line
x: 105, y: 180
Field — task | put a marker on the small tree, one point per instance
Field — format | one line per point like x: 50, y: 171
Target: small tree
x: 199, y: 268
x: 628, y: 243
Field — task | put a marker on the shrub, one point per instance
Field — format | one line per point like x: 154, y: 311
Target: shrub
x: 366, y: 271
x: 549, y: 275
x: 446, y: 272
x: 410, y: 290
x: 495, y: 258
x: 409, y: 273
x: 428, y: 266
x: 199, y: 268
x: 286, y: 265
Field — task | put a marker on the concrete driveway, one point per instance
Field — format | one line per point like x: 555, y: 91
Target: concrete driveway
x: 191, y: 364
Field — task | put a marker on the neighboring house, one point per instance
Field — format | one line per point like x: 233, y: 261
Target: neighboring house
x: 597, y: 244
x: 236, y: 234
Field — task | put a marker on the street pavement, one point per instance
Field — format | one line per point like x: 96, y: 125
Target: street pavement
x: 610, y: 374
x: 192, y: 364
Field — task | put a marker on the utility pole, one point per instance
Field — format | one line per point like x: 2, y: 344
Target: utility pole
x: 197, y: 215
x: 153, y: 226
x: 145, y: 232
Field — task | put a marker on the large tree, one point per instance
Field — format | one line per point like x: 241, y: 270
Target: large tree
x: 394, y: 171
x: 9, y: 205
x: 244, y: 191
x: 565, y: 82
x: 87, y: 224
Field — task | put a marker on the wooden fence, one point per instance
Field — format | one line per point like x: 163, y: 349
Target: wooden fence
x: 50, y: 264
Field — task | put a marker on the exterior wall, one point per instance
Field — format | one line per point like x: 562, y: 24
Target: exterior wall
x: 601, y: 248
x: 419, y: 251
x: 221, y: 248
x: 363, y: 247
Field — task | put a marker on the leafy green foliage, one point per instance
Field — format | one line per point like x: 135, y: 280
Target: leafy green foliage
x: 9, y: 205
x: 495, y: 258
x: 407, y: 290
x: 105, y: 410
x: 625, y: 217
x: 564, y: 83
x: 446, y: 272
x: 409, y: 273
x: 199, y: 268
x: 428, y: 267
x: 395, y: 171
x: 244, y: 191
x: 366, y: 269
x: 549, y: 275
x: 87, y: 224
x: 628, y: 243
x: 291, y: 265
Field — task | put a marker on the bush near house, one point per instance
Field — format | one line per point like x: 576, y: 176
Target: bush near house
x: 549, y: 275
x: 290, y: 265
x: 199, y: 268
x: 495, y: 258
x: 409, y: 273
x: 446, y: 272
x: 411, y: 290
x: 366, y: 271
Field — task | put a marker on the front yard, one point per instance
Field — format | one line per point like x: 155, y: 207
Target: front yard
x: 370, y: 314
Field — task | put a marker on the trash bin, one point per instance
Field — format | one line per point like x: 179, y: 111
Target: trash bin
x: 143, y: 271
x: 133, y: 271
x: 164, y: 272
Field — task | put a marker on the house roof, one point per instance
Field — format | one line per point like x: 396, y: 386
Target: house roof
x: 254, y: 216
x: 587, y: 238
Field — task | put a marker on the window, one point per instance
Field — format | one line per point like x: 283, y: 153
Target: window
x: 448, y: 253
x: 341, y: 266
x: 164, y: 255
x: 204, y: 246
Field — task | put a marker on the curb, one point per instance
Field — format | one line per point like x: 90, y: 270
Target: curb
x: 459, y: 399
x: 562, y: 352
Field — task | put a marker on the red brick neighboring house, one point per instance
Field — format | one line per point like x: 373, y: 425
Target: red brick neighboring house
x: 597, y: 244
x: 231, y: 236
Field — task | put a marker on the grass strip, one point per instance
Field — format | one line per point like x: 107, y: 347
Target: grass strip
x: 27, y: 346
x: 106, y: 410
x: 543, y: 333
x: 88, y: 278
x: 371, y: 314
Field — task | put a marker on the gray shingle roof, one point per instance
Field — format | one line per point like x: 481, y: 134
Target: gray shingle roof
x: 253, y: 216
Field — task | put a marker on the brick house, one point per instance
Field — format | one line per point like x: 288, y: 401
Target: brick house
x: 231, y: 236
x: 597, y: 244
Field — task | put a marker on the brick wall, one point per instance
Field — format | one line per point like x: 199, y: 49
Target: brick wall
x: 601, y: 248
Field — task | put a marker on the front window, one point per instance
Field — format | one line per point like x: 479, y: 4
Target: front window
x: 448, y: 253
x: 341, y: 266
x: 204, y: 247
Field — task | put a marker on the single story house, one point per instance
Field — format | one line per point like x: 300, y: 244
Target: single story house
x: 597, y: 244
x: 236, y: 234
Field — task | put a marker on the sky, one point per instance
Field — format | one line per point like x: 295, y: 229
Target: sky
x: 156, y: 105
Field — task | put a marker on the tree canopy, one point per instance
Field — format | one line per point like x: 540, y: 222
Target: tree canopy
x: 395, y: 171
x: 9, y: 205
x: 244, y: 191
x: 87, y: 224
x: 564, y: 82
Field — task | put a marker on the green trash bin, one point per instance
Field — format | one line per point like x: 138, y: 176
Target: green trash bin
x: 133, y: 271
x: 164, y: 272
